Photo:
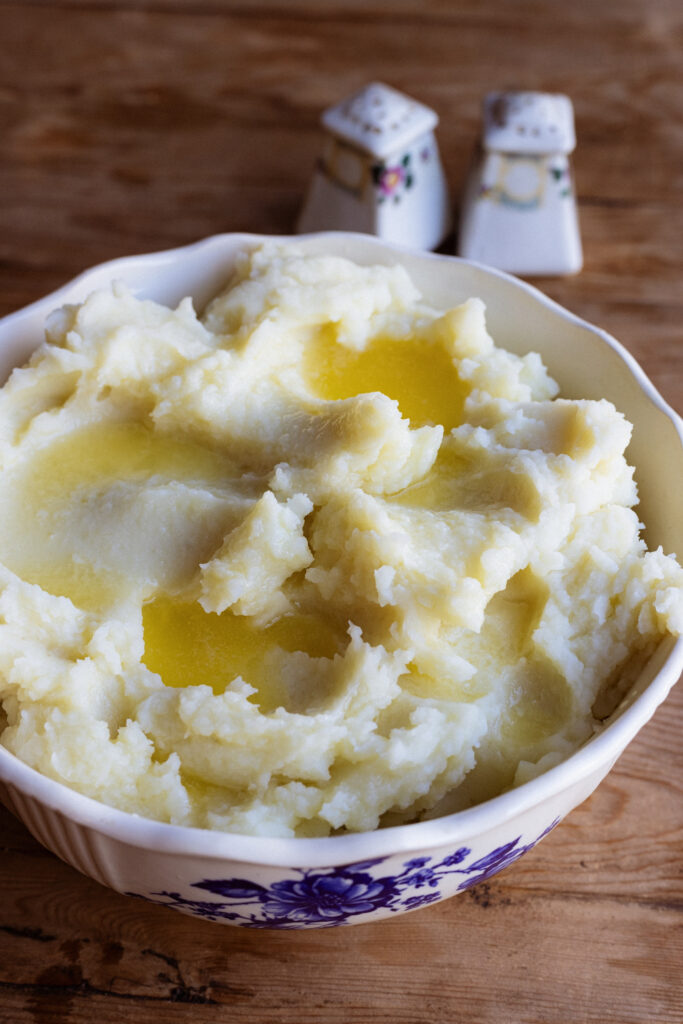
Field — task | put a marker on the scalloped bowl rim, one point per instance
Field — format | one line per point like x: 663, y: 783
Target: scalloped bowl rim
x: 600, y: 750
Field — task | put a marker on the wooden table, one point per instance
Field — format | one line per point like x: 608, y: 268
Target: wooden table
x: 130, y: 127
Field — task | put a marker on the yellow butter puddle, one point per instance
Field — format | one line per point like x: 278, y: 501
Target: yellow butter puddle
x: 418, y: 374
x: 118, y: 451
x: 187, y: 646
x: 442, y: 487
x: 37, y: 495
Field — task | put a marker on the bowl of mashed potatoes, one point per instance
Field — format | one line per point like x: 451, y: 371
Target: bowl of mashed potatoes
x: 332, y: 575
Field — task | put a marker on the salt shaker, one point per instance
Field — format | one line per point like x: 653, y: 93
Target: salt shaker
x: 380, y: 171
x: 519, y: 210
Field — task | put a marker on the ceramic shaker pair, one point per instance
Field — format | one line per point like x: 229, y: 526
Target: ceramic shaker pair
x: 380, y: 173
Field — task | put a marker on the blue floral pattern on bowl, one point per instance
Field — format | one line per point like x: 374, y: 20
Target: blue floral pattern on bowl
x: 325, y: 897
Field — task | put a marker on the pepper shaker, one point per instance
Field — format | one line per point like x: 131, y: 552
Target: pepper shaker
x: 519, y: 209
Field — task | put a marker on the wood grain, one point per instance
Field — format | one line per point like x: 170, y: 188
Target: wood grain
x: 128, y: 127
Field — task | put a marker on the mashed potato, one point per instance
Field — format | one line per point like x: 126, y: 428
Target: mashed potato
x: 323, y: 559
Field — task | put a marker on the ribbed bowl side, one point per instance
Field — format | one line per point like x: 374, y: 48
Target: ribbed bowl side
x: 71, y: 842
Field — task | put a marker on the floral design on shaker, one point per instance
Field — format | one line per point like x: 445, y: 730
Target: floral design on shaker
x: 392, y: 180
x: 323, y: 898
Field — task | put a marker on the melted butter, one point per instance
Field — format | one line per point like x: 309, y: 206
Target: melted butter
x: 93, y: 590
x: 118, y: 451
x: 40, y: 491
x: 453, y: 482
x: 419, y: 375
x: 429, y: 687
x: 511, y: 618
x: 541, y: 705
x: 441, y: 489
x: 505, y: 639
x: 187, y: 646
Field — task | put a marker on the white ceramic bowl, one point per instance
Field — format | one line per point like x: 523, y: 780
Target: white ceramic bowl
x: 300, y: 883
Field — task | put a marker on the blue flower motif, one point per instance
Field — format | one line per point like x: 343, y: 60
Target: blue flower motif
x: 326, y: 897
x: 417, y: 862
x: 500, y: 858
x: 426, y: 876
x: 413, y: 902
x: 457, y: 857
x: 232, y: 888
x: 331, y: 896
x: 494, y: 862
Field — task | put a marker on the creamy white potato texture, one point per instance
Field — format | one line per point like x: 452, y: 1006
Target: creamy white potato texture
x: 323, y: 559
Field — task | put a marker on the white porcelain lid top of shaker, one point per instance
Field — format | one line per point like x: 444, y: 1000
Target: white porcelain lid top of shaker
x: 528, y: 122
x: 379, y: 120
